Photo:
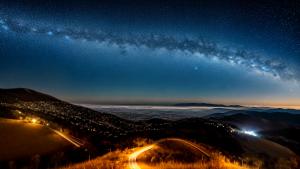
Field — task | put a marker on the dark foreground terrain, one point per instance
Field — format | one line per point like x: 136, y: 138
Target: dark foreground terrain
x: 100, y: 132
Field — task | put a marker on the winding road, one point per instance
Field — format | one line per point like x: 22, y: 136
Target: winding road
x: 133, y: 156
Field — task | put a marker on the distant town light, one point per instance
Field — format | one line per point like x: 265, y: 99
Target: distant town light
x: 250, y: 132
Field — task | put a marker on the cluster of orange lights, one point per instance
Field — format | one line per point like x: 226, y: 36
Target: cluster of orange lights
x: 31, y: 120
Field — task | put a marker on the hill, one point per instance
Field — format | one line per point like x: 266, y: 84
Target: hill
x: 83, y: 120
x: 23, y: 94
x: 172, y: 153
x: 20, y: 141
x: 258, y: 120
x: 288, y: 137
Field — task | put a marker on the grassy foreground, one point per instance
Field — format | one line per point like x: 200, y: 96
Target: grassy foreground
x: 217, y: 162
x: 19, y: 140
x: 119, y: 160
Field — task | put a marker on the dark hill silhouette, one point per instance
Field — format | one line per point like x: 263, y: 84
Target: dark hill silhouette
x: 258, y: 120
x: 288, y: 137
x: 23, y: 94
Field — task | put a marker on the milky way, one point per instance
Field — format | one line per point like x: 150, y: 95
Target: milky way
x: 193, y: 46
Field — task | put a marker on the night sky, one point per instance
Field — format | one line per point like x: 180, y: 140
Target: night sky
x: 235, y: 52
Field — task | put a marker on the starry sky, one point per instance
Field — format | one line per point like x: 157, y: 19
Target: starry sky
x: 232, y: 52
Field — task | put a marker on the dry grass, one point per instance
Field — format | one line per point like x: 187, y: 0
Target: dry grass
x: 19, y: 139
x: 119, y: 160
x: 217, y: 162
x: 112, y: 160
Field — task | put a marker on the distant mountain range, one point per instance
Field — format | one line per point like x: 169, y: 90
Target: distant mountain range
x: 275, y: 110
x: 258, y: 109
x: 204, y: 105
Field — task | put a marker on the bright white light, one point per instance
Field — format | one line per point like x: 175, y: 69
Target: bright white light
x: 250, y: 132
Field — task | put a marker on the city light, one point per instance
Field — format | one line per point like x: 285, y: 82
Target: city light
x: 250, y: 132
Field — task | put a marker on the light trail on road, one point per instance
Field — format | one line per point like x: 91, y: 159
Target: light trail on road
x: 74, y: 142
x: 190, y: 144
x: 133, y: 156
